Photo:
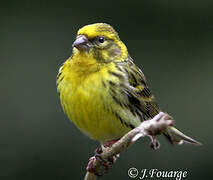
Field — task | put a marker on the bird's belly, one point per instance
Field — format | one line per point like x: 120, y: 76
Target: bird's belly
x: 88, y: 106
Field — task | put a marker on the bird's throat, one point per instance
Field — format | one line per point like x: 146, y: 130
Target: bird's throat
x: 84, y: 64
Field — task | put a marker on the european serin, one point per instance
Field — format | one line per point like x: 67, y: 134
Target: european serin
x: 102, y: 91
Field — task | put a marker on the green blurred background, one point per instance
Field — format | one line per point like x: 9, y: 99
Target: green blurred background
x: 172, y: 41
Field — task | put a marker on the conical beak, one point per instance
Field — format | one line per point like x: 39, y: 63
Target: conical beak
x: 81, y: 43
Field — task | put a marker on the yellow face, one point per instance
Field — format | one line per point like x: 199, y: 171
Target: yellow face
x: 101, y: 41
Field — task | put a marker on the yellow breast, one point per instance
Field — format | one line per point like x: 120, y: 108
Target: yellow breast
x: 85, y: 98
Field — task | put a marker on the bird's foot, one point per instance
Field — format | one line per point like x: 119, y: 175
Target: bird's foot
x: 110, y: 143
x: 105, y: 164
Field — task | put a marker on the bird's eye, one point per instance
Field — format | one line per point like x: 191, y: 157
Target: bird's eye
x: 101, y: 39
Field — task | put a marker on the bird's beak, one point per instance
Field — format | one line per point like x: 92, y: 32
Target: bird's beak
x: 81, y: 43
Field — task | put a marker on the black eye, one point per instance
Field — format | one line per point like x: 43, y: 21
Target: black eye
x: 101, y: 39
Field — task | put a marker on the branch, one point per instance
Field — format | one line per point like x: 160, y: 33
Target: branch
x: 149, y: 128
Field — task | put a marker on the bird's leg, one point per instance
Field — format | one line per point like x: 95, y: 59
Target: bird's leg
x: 110, y: 143
x: 104, y: 163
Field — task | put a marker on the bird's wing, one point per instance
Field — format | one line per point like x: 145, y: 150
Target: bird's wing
x: 134, y: 95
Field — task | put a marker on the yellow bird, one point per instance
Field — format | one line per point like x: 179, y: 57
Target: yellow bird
x: 102, y: 91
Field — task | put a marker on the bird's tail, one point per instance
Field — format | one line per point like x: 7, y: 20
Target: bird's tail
x: 176, y: 137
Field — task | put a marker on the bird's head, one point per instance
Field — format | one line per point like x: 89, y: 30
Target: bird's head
x: 100, y: 41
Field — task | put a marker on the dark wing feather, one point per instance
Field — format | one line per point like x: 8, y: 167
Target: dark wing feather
x: 140, y: 101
